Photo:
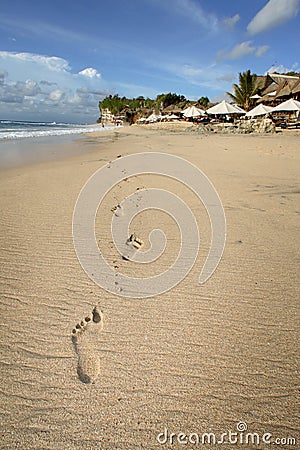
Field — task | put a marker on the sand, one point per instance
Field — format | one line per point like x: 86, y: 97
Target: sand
x: 196, y: 359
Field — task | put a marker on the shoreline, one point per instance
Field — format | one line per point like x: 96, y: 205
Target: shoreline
x: 25, y: 152
x: 31, y: 150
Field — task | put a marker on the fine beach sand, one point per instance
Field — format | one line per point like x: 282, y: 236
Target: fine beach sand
x: 195, y: 359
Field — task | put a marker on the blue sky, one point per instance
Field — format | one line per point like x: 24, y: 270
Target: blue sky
x: 59, y: 58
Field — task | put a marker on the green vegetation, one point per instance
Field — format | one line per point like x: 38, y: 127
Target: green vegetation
x: 117, y: 104
x: 164, y: 100
x: 137, y: 106
x: 293, y: 73
x: 245, y: 90
x: 203, y: 101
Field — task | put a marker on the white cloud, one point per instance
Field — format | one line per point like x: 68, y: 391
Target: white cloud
x: 241, y: 50
x: 191, y: 71
x: 47, y: 83
x: 38, y: 86
x: 18, y: 92
x: 89, y: 72
x: 260, y: 51
x: 3, y: 74
x: 30, y: 88
x: 56, y: 95
x: 50, y: 62
x: 280, y: 68
x: 193, y: 11
x: 273, y: 14
x: 74, y: 99
x: 230, y: 22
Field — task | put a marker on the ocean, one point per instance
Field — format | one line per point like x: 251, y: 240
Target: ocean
x: 10, y: 129
x: 29, y: 142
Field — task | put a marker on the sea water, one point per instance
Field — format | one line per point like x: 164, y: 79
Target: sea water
x: 19, y: 130
x: 28, y: 142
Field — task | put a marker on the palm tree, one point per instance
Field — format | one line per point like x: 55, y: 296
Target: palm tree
x: 245, y: 90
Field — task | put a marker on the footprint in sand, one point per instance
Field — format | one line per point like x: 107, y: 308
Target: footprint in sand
x: 135, y: 241
x: 132, y: 244
x: 83, y: 337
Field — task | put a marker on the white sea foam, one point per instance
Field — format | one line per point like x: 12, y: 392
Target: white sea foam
x: 23, y: 130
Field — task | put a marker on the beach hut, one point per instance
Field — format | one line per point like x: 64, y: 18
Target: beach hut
x: 224, y: 108
x: 172, y: 109
x: 259, y: 110
x: 296, y: 90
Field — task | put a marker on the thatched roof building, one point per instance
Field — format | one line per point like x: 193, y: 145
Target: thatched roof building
x: 275, y: 88
x: 172, y: 109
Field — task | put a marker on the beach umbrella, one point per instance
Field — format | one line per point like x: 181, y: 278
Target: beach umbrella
x: 225, y: 108
x: 259, y: 110
x: 185, y: 110
x: 170, y: 117
x: 289, y: 105
x: 241, y: 110
x: 192, y: 111
x: 256, y: 96
x: 152, y: 118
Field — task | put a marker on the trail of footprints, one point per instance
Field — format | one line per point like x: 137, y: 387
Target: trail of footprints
x: 84, y: 336
x: 85, y: 333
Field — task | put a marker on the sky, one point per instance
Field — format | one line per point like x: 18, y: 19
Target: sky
x: 59, y: 58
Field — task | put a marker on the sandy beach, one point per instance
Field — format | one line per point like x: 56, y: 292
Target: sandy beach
x: 213, y: 358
